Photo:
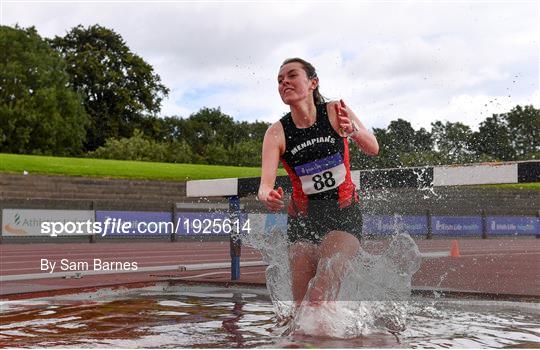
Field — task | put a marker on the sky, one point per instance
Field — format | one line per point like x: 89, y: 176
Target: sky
x: 421, y: 61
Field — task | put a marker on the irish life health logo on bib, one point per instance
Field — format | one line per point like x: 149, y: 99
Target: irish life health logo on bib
x: 321, y: 175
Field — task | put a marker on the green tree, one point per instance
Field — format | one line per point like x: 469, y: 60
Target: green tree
x: 421, y: 158
x: 453, y: 141
x: 245, y: 153
x: 493, y: 139
x: 140, y: 147
x: 384, y: 159
x: 404, y: 142
x: 242, y: 131
x: 136, y: 147
x: 257, y: 129
x: 216, y: 154
x: 180, y: 152
x: 118, y: 86
x: 423, y: 140
x: 169, y: 129
x: 209, y: 126
x: 401, y: 136
x: 39, y: 113
x: 524, y: 130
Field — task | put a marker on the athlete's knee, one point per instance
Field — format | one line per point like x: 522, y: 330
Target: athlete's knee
x: 339, y: 242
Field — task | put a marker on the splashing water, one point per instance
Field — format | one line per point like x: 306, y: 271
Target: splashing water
x: 271, y: 242
x: 373, y: 295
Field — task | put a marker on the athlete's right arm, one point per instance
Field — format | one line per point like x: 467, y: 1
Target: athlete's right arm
x: 273, y: 147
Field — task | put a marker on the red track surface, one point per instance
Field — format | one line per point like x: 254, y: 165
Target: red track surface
x: 501, y: 266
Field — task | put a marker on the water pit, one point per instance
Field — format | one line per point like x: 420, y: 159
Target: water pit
x: 168, y: 315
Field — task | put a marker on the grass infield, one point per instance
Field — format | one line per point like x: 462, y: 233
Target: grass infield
x: 521, y: 186
x: 14, y: 163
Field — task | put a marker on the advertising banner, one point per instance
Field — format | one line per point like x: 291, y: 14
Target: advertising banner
x: 456, y: 225
x: 37, y: 222
x: 389, y: 225
x: 276, y: 222
x: 513, y: 225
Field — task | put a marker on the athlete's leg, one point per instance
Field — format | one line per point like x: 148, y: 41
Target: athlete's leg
x: 336, y: 249
x: 303, y: 258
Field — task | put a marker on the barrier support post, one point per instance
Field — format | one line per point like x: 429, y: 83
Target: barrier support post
x: 92, y: 237
x: 484, y: 225
x: 173, y: 214
x: 235, y: 241
x: 538, y: 216
x: 429, y: 230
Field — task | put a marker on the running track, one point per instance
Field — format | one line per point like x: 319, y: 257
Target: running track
x: 499, y: 266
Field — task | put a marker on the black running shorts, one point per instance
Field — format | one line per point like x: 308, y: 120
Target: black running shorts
x: 323, y: 218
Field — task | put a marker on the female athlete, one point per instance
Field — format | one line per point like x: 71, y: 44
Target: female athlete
x: 324, y: 218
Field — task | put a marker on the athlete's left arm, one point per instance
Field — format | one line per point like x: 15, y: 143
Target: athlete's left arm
x: 355, y: 130
x: 365, y: 140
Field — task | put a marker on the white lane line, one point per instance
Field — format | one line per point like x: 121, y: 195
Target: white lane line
x: 190, y: 261
x: 245, y: 251
x: 80, y: 274
x: 154, y: 258
x: 465, y: 254
x: 430, y: 255
x: 139, y: 258
x: 500, y: 251
x: 214, y: 273
x: 424, y: 255
x: 499, y: 254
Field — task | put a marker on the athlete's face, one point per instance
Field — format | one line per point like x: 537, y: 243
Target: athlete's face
x: 294, y: 84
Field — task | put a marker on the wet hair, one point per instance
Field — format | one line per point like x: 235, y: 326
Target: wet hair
x: 311, y: 73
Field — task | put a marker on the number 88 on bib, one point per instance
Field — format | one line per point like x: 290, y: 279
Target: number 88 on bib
x: 322, y: 174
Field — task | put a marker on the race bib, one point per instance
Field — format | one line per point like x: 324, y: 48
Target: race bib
x: 322, y: 175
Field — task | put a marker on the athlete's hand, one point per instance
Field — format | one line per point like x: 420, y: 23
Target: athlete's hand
x: 346, y: 126
x: 273, y: 200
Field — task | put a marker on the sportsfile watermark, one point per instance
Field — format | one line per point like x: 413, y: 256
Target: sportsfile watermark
x: 189, y: 226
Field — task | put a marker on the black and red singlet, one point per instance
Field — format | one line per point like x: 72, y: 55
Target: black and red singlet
x: 317, y: 161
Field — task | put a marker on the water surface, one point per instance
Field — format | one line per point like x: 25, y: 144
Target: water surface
x: 209, y: 317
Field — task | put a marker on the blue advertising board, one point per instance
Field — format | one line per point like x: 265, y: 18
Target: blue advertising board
x: 456, y: 225
x: 275, y: 222
x: 210, y: 224
x: 389, y: 225
x: 141, y: 223
x: 513, y: 225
